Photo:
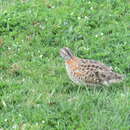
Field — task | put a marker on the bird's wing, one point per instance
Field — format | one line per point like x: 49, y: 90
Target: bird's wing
x: 96, y: 72
x: 95, y: 64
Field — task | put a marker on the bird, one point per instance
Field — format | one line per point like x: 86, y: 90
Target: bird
x: 88, y: 72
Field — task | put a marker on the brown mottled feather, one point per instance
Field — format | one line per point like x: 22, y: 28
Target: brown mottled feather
x: 84, y: 71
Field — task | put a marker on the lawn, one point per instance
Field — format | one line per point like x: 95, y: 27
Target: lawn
x: 35, y: 91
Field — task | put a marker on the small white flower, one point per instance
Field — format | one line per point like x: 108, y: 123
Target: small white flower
x: 96, y: 35
x: 3, y: 102
x: 20, y: 115
x: 42, y: 27
x: 101, y: 34
x: 43, y: 121
x: 52, y: 7
x: 89, y: 2
x: 72, y: 13
x: 14, y: 126
x: 79, y: 18
x: 40, y: 56
x: 65, y: 23
x: 86, y: 17
x: 37, y: 123
x: 125, y: 42
x: 91, y: 8
x: 38, y: 105
x: 123, y: 95
x: 5, y: 120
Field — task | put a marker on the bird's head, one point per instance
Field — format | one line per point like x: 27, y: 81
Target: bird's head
x: 66, y: 53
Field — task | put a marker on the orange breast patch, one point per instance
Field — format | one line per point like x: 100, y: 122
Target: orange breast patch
x: 73, y: 64
x: 77, y: 73
x: 73, y: 60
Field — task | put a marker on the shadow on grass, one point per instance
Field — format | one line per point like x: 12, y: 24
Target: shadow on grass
x: 71, y: 88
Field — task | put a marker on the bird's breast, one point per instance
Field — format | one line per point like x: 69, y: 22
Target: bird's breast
x: 72, y: 67
x: 73, y: 64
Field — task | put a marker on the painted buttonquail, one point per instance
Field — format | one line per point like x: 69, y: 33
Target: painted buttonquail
x: 88, y: 72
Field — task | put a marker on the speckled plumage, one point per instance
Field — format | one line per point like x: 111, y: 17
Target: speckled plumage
x: 88, y: 72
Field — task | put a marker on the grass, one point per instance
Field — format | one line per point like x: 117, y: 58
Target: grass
x: 35, y: 91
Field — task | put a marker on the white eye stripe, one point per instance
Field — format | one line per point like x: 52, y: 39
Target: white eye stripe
x: 63, y: 52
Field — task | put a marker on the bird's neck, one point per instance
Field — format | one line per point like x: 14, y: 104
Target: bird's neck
x: 72, y: 60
